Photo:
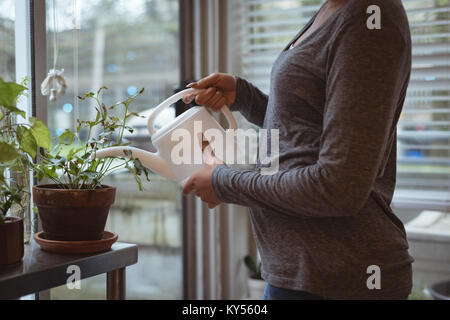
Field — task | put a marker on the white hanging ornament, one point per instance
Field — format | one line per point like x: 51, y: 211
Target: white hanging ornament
x: 54, y: 84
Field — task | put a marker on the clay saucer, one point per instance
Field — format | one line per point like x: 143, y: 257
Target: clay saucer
x: 71, y: 247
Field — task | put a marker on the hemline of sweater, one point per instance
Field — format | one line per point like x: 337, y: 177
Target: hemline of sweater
x: 334, y: 294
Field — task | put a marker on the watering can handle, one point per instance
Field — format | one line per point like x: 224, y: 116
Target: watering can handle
x: 169, y: 101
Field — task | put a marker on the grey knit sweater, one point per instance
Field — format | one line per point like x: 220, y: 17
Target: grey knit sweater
x: 325, y: 216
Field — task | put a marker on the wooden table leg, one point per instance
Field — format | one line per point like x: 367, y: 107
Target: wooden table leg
x: 115, y: 284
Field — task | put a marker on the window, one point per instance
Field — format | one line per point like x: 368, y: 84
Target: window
x: 423, y: 179
x: 424, y: 128
x: 7, y: 50
x: 124, y: 45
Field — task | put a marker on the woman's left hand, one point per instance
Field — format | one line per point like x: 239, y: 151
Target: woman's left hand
x: 200, y: 182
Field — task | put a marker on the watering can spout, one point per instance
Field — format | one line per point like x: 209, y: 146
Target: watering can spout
x: 150, y: 160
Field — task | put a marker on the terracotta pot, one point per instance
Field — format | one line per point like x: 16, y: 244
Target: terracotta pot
x: 73, y: 215
x: 11, y: 240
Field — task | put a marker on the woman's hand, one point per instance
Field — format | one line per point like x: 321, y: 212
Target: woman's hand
x: 200, y: 182
x: 215, y: 91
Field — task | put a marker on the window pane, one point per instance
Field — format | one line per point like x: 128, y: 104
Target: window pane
x: 7, y: 55
x: 424, y: 128
x: 124, y: 45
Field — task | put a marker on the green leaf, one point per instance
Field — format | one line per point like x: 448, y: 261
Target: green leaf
x: 26, y: 140
x: 25, y: 81
x: 7, y: 152
x: 40, y: 133
x: 73, y: 168
x: 138, y: 165
x: 50, y: 172
x: 9, y: 92
x: 101, y: 88
x: 45, y: 154
x: 138, y: 182
x: 39, y: 173
x: 72, y: 154
x: 131, y: 114
x: 86, y: 155
x: 67, y: 136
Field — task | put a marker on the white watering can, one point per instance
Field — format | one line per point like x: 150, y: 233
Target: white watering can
x: 166, y: 138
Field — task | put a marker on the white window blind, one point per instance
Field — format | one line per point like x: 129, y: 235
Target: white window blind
x: 423, y: 177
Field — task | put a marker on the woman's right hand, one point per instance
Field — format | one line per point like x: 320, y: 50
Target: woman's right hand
x: 213, y: 91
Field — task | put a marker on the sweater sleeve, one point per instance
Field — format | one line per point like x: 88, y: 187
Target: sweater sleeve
x: 366, y: 75
x: 250, y: 102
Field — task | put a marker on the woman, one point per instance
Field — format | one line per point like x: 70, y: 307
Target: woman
x: 323, y: 223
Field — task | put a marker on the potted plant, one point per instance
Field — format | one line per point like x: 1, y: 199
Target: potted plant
x: 76, y: 205
x: 18, y: 147
x: 11, y: 227
x: 256, y: 284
